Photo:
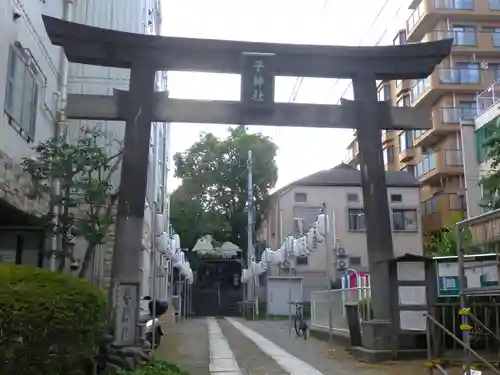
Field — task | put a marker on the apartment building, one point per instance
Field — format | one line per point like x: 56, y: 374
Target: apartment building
x: 474, y: 134
x: 134, y: 16
x: 436, y: 156
x: 28, y: 101
x: 36, y: 78
x: 296, y: 206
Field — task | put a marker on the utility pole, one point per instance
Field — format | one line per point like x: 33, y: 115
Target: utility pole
x: 250, y: 249
x: 154, y: 223
x: 328, y: 260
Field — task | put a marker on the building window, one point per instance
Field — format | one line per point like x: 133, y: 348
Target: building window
x: 354, y: 261
x: 396, y: 198
x: 482, y: 135
x: 388, y: 154
x: 352, y: 197
x: 404, y: 101
x: 384, y: 92
x: 404, y: 220
x: 300, y: 197
x: 21, y: 95
x: 464, y: 35
x: 407, y: 100
x: 304, y: 219
x: 380, y: 94
x: 409, y: 169
x: 356, y: 219
x: 387, y: 92
x: 405, y: 140
x: 302, y: 261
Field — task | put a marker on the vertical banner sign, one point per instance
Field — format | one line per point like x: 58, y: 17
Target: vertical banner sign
x: 257, y: 81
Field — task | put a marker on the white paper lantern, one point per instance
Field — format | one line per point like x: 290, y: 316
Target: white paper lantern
x: 289, y: 244
x: 164, y: 243
x: 160, y: 224
x: 311, y: 240
x: 323, y: 224
x: 319, y: 237
x: 176, y: 242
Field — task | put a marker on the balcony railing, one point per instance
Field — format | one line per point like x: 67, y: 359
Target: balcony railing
x: 425, y: 165
x: 488, y: 97
x: 453, y: 76
x: 494, y: 4
x: 460, y: 38
x: 481, y: 40
x: 455, y: 115
x: 440, y: 5
x: 454, y: 4
x: 420, y: 88
x: 350, y: 155
x: 415, y: 17
x: 446, y: 76
x: 445, y: 201
x: 448, y: 158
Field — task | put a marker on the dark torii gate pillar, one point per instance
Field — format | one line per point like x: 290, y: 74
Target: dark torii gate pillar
x: 144, y: 55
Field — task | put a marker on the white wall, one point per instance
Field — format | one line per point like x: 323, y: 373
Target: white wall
x: 29, y: 31
x: 354, y: 242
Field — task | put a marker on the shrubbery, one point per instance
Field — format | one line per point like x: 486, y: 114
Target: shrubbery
x: 156, y: 368
x: 50, y: 323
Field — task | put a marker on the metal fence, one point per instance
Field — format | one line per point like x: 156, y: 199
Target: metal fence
x: 339, y: 298
x: 446, y: 312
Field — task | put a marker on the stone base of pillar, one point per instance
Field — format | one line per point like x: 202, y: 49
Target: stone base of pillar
x: 379, y: 344
x: 377, y: 334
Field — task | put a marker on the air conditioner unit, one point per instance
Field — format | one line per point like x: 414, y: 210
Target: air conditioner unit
x: 342, y: 264
x: 484, y: 65
x: 341, y: 251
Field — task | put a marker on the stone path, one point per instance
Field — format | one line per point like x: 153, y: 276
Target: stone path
x: 186, y: 344
x: 248, y: 355
x: 238, y: 347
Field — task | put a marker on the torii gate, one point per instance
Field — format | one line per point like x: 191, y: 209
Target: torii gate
x: 145, y: 54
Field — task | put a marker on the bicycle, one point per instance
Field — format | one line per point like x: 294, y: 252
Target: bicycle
x: 299, y: 322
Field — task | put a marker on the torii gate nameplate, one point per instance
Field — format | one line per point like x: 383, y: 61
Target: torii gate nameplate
x: 145, y: 54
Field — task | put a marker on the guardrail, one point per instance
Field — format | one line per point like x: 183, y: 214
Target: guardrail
x: 339, y: 297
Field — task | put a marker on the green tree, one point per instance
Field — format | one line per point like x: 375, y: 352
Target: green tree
x: 490, y: 182
x: 190, y: 220
x: 214, y: 175
x: 86, y: 196
x: 444, y: 241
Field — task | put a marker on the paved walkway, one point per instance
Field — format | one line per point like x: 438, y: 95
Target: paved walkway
x: 238, y: 347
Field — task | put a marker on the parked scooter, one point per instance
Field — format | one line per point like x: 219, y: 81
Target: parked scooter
x: 153, y: 323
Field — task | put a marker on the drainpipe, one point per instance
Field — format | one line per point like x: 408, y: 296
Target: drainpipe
x: 59, y: 130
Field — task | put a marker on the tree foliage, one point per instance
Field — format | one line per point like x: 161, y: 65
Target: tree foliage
x: 190, y: 220
x: 444, y: 241
x: 490, y: 182
x: 85, y: 196
x: 213, y: 196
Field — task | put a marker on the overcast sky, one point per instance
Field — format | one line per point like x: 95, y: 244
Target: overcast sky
x: 335, y: 22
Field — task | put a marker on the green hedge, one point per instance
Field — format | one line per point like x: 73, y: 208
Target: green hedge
x: 50, y: 323
x: 156, y: 368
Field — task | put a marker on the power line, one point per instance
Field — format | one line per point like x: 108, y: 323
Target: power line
x: 378, y: 42
x: 362, y: 40
x: 298, y: 82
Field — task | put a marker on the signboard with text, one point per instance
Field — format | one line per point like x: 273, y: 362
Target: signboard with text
x: 257, y: 81
x: 127, y: 313
x: 476, y: 277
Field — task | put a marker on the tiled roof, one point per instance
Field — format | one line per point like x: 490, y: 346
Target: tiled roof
x: 345, y: 175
